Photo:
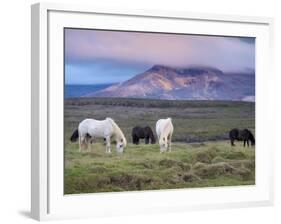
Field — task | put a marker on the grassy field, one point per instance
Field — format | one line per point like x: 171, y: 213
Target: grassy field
x: 201, y: 156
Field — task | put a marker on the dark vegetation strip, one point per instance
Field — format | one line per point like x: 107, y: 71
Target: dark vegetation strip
x: 153, y: 103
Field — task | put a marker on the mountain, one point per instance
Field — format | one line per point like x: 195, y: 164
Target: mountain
x: 192, y: 83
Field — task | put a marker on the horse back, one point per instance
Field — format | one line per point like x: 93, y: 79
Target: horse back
x: 138, y: 131
x: 97, y: 128
x: 164, y: 125
x: 148, y: 130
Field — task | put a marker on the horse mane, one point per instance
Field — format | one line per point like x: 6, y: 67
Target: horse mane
x: 118, y: 131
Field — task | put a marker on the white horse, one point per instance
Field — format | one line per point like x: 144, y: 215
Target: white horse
x: 90, y: 129
x: 164, y: 131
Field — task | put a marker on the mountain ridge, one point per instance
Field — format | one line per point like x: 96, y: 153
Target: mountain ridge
x: 190, y: 83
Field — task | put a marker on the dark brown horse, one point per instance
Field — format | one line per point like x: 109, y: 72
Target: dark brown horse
x: 140, y: 132
x: 241, y: 135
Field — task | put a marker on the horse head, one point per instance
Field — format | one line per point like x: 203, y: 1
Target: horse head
x: 121, y: 144
x: 149, y: 132
x: 121, y: 141
x: 253, y: 142
x: 153, y: 140
x: 163, y: 143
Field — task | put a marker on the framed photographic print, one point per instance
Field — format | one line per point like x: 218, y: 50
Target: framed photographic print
x: 148, y: 111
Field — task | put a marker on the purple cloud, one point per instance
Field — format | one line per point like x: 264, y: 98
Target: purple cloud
x: 225, y: 53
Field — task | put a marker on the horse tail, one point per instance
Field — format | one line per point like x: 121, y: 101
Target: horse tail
x: 74, y: 136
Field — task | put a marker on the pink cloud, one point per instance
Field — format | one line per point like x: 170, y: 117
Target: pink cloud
x: 167, y: 49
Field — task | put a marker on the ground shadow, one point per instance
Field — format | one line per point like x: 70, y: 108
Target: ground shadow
x: 25, y: 214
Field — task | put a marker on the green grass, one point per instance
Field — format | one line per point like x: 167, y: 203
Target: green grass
x: 143, y: 167
x: 203, y: 163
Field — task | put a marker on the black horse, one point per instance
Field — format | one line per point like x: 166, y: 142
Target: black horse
x: 241, y: 135
x: 146, y: 133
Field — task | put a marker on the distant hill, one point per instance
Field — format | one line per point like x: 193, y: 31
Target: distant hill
x: 192, y: 83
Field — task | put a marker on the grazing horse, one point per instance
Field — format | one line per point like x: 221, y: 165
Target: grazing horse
x: 90, y: 129
x: 164, y: 130
x: 146, y: 133
x: 241, y: 135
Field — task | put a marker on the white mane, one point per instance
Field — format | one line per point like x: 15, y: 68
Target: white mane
x: 118, y: 133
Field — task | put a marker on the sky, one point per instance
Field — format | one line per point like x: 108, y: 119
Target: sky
x: 100, y: 56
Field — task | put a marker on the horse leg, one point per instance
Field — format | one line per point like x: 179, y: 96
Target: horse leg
x: 83, y: 143
x: 90, y: 143
x: 170, y: 142
x: 135, y: 139
x: 248, y: 143
x: 87, y: 144
x: 232, y: 142
x: 108, y: 150
x: 244, y: 143
x: 80, y: 144
x: 146, y: 140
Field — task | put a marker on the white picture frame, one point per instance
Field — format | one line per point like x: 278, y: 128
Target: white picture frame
x: 47, y: 198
